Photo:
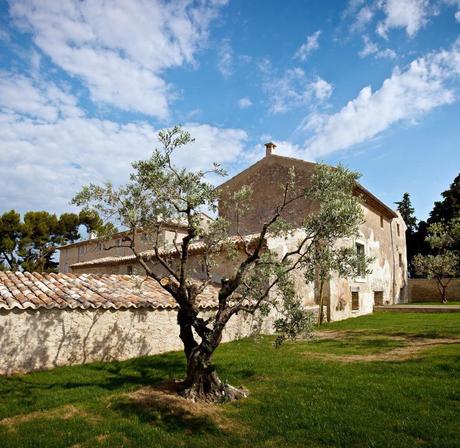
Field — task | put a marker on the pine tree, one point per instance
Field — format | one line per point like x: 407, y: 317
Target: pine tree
x: 449, y: 208
x: 413, y: 241
x: 407, y: 212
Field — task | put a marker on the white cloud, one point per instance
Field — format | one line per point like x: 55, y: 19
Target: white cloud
x: 321, y: 89
x: 363, y: 18
x: 225, y: 62
x: 43, y: 165
x: 371, y: 48
x: 457, y: 16
x: 48, y: 149
x: 359, y: 13
x: 308, y: 47
x: 244, y: 103
x: 36, y: 99
x: 405, y: 96
x: 408, y: 14
x: 119, y: 49
x: 293, y: 89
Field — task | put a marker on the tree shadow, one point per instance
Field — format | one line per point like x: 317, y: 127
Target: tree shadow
x: 65, y: 384
x: 157, y: 406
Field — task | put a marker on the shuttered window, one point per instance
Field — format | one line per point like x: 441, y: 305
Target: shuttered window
x: 355, y: 300
x: 361, y: 259
x: 378, y: 298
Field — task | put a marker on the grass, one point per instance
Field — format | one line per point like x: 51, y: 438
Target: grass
x: 298, y: 398
x: 435, y: 302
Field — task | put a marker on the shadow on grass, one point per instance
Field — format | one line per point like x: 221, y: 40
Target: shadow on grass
x: 166, y: 413
x: 89, y: 382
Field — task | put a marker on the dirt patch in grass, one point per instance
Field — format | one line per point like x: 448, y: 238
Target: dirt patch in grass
x: 412, y: 347
x: 63, y: 413
x: 345, y: 334
x: 162, y: 403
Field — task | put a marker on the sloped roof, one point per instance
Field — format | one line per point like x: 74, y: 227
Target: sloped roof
x: 171, y: 225
x: 370, y: 199
x: 169, y: 251
x: 33, y: 290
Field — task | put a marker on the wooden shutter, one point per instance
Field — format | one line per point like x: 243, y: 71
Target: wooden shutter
x: 378, y: 298
x: 355, y: 300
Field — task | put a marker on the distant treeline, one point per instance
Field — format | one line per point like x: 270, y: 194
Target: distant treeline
x: 444, y: 212
x: 29, y: 244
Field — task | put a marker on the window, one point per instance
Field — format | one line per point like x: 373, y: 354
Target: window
x: 397, y: 230
x: 378, y: 298
x: 360, y: 256
x: 381, y: 221
x: 130, y: 270
x: 400, y: 260
x: 354, y: 300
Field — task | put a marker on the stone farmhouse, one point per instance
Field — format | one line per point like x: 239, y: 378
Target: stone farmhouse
x: 382, y: 236
x: 98, y: 308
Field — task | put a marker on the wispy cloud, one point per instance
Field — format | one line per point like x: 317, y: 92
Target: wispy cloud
x: 119, y: 49
x: 308, y: 47
x: 408, y: 14
x: 38, y: 100
x: 244, y: 103
x: 225, y: 61
x: 405, y: 96
x: 372, y: 49
x: 49, y: 148
x: 294, y: 89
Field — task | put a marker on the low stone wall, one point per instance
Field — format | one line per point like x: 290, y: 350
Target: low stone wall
x: 425, y: 290
x: 43, y: 339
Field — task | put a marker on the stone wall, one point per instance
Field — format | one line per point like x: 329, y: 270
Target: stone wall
x: 43, y: 339
x: 425, y: 290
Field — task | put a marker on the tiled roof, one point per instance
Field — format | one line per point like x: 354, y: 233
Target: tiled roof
x: 172, y: 224
x: 369, y: 198
x: 169, y: 251
x: 42, y: 290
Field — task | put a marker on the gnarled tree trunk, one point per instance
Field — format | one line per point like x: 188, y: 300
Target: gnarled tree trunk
x: 202, y: 382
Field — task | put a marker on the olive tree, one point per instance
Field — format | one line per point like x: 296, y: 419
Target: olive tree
x: 443, y: 265
x: 160, y: 192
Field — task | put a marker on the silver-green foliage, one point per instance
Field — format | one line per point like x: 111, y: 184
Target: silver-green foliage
x: 445, y: 264
x: 159, y: 193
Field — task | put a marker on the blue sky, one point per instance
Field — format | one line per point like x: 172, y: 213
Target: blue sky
x: 85, y: 86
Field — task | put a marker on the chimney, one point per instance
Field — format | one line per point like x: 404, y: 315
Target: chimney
x: 269, y: 147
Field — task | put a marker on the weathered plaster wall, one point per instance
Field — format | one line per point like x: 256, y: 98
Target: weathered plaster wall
x: 425, y: 290
x: 224, y: 267
x: 280, y: 245
x: 384, y: 244
x: 266, y: 179
x: 383, y: 238
x: 94, y: 249
x: 42, y: 339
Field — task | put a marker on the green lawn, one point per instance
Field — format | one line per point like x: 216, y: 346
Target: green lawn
x: 435, y: 302
x: 303, y: 394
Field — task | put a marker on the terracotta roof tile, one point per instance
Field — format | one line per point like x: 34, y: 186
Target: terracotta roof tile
x: 169, y: 251
x: 33, y: 290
